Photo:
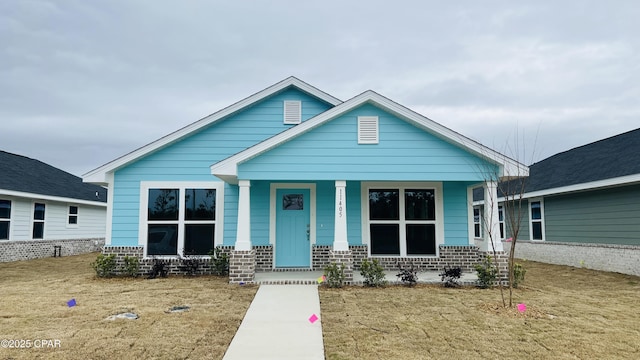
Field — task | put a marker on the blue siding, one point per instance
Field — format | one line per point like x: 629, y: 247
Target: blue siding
x: 456, y: 221
x: 404, y: 153
x: 190, y: 158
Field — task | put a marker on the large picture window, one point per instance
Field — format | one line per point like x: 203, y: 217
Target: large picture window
x: 402, y: 221
x: 5, y: 219
x: 181, y: 220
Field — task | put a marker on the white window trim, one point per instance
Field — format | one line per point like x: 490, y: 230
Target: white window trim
x: 541, y: 219
x: 181, y: 185
x: 33, y: 219
x: 292, y: 112
x: 69, y: 214
x: 365, y: 135
x: 480, y: 222
x: 8, y: 220
x: 439, y: 222
x: 501, y: 222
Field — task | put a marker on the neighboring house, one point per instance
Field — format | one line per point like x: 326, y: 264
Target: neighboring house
x: 583, y: 207
x: 42, y: 207
x: 293, y: 178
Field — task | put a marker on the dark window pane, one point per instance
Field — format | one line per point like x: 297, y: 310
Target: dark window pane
x: 293, y: 202
x: 500, y: 213
x: 200, y: 204
x: 419, y: 205
x: 4, y: 230
x: 163, y: 204
x: 73, y: 219
x: 384, y: 205
x: 162, y: 240
x: 385, y: 239
x: 5, y: 209
x: 476, y: 230
x: 198, y: 239
x: 536, y: 213
x: 536, y: 226
x: 38, y: 230
x: 476, y: 215
x: 501, y: 230
x: 421, y: 239
x: 38, y: 211
x: 73, y: 210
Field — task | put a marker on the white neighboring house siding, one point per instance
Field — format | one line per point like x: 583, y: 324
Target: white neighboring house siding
x: 91, y: 220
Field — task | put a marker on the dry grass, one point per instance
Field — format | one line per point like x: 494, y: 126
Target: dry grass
x: 33, y: 305
x: 572, y: 314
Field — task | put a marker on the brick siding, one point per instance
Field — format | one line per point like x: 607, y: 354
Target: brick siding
x: 35, y: 249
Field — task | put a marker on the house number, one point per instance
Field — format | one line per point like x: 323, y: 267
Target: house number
x: 340, y: 203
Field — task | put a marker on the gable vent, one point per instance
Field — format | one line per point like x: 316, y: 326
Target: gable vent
x: 368, y: 130
x: 292, y: 112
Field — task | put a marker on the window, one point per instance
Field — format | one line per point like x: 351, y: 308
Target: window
x: 38, y: 221
x: 181, y: 220
x: 292, y: 112
x: 5, y: 219
x: 72, y: 216
x: 402, y: 221
x: 501, y: 220
x: 536, y: 218
x: 368, y: 130
x: 477, y: 223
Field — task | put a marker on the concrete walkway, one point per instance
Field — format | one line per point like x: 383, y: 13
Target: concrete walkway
x: 277, y: 325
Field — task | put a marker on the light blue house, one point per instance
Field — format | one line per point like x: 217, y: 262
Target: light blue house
x: 292, y: 177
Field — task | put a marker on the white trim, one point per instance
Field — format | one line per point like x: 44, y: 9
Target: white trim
x: 272, y: 215
x: 98, y: 175
x: 439, y: 221
x: 35, y: 196
x: 228, y: 169
x: 8, y: 220
x: 77, y: 215
x: 110, y: 195
x: 368, y: 130
x: 542, y: 227
x: 292, y: 110
x: 592, y: 185
x: 470, y: 222
x: 181, y: 185
x: 43, y: 221
x: 480, y: 215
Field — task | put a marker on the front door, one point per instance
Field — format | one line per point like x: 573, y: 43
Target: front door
x: 293, y: 245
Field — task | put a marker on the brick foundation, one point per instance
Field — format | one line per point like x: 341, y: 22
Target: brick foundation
x: 242, y: 266
x: 345, y: 258
x: 450, y: 256
x: 16, y: 250
x: 264, y: 257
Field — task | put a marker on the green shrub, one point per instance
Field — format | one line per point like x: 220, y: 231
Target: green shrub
x: 334, y: 275
x: 518, y: 274
x: 219, y: 262
x: 373, y: 273
x: 131, y: 266
x: 105, y: 265
x: 486, y: 273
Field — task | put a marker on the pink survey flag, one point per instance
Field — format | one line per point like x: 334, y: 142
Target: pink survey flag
x: 313, y: 318
x: 322, y: 279
x: 522, y: 308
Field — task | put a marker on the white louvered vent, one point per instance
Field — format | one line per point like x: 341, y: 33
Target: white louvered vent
x: 368, y: 130
x: 292, y: 112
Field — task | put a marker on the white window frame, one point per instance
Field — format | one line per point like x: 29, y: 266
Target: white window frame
x: 145, y: 186
x: 402, y: 186
x: 292, y: 112
x: 503, y: 233
x: 34, y: 220
x: 7, y: 220
x: 368, y: 130
x: 69, y: 215
x: 541, y: 220
x: 479, y: 222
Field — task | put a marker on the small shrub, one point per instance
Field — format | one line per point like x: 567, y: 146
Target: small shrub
x: 131, y: 266
x: 189, y: 263
x: 451, y: 276
x: 159, y: 268
x: 408, y: 276
x: 486, y: 273
x: 518, y: 274
x: 219, y: 262
x: 105, y: 265
x: 335, y: 275
x: 373, y: 273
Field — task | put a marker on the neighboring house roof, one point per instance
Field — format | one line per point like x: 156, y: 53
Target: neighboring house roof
x: 99, y: 175
x: 26, y: 177
x: 609, y: 162
x: 228, y: 169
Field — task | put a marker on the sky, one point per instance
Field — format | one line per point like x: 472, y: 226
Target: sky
x: 85, y: 82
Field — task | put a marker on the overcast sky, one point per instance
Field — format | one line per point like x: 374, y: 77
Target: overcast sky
x: 84, y: 82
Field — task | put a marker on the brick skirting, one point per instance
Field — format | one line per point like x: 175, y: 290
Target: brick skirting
x: 16, y: 250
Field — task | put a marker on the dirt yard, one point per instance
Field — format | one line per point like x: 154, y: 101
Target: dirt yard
x: 571, y: 314
x: 33, y: 307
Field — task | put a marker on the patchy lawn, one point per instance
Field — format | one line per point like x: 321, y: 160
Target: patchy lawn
x: 571, y: 313
x: 33, y: 306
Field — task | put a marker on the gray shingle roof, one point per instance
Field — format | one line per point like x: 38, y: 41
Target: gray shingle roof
x: 20, y: 173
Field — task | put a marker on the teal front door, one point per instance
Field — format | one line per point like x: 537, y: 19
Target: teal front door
x: 293, y: 244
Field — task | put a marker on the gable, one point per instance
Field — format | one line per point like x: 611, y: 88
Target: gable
x: 332, y: 151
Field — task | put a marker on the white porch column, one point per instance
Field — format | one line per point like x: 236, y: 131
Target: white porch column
x: 340, y: 242
x: 491, y: 220
x: 243, y: 234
